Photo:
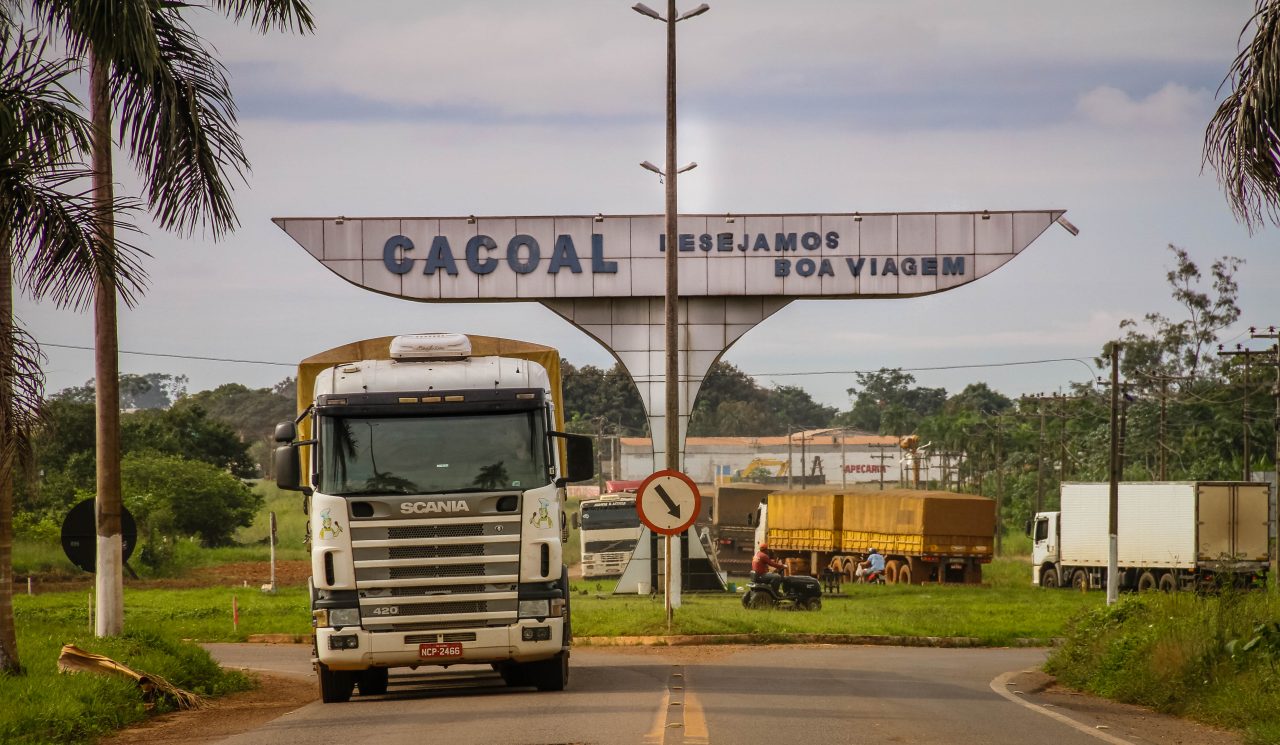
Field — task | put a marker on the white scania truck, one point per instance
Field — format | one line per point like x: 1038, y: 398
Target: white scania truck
x: 1169, y: 536
x: 433, y: 469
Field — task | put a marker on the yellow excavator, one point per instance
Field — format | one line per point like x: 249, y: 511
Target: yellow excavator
x: 781, y: 466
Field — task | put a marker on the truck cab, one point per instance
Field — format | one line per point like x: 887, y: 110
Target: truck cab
x: 434, y: 483
x: 1044, y: 550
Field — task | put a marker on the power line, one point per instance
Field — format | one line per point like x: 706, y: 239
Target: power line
x: 927, y: 369
x: 644, y: 378
x: 180, y: 356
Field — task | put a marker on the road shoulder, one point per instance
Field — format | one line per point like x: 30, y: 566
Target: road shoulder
x: 1109, y: 721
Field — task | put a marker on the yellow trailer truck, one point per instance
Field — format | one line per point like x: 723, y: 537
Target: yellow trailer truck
x: 925, y: 536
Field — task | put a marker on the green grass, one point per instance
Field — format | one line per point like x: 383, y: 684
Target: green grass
x: 1175, y: 653
x: 1009, y: 609
x: 50, y: 707
x: 1006, y: 610
x: 291, y: 526
x: 40, y: 557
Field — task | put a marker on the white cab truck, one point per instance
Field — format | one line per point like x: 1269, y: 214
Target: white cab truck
x: 609, y: 527
x: 1170, y: 536
x: 433, y: 471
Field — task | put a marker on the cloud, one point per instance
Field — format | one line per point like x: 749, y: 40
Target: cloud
x: 1171, y: 106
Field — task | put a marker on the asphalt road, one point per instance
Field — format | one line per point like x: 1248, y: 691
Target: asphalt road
x: 669, y: 696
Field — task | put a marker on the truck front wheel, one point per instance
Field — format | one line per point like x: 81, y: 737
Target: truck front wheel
x: 335, y: 685
x: 552, y: 674
x: 1049, y: 577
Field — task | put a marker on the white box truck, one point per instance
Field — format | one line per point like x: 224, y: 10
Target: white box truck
x: 1170, y: 536
x: 433, y: 471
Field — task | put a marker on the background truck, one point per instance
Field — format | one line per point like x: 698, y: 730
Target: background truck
x: 925, y: 536
x: 434, y: 481
x: 733, y: 524
x: 1170, y: 536
x: 608, y: 528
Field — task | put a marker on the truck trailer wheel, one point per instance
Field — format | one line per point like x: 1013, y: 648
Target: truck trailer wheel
x: 1168, y: 583
x: 891, y: 568
x: 335, y: 685
x: 1146, y: 582
x: 373, y: 682
x: 904, y: 573
x: 1080, y: 580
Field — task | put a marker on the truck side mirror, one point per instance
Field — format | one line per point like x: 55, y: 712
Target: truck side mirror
x: 288, y: 469
x: 286, y: 431
x: 580, y: 464
x: 1029, y: 525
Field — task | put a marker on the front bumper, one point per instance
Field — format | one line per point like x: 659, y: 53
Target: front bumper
x: 401, y: 648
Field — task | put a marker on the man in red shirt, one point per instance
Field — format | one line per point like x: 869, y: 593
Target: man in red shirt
x: 761, y: 563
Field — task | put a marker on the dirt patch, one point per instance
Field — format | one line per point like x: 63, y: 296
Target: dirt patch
x: 224, y: 717
x: 243, y: 573
x: 1136, y: 724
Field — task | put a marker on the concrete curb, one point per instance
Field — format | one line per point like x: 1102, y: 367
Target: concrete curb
x: 693, y: 640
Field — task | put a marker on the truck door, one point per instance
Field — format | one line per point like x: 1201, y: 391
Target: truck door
x: 1044, y: 539
x: 1214, y: 518
x: 1251, y: 526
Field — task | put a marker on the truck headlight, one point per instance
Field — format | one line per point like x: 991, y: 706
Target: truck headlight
x: 534, y: 609
x: 337, y: 617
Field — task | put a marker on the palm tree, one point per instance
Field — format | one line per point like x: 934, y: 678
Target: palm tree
x: 47, y: 241
x: 1243, y: 138
x: 177, y: 123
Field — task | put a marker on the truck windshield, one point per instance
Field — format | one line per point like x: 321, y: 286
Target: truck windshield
x: 432, y: 455
x: 606, y: 516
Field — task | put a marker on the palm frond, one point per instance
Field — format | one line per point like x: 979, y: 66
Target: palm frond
x: 56, y: 252
x: 1240, y: 137
x: 179, y: 124
x: 113, y: 30
x: 22, y: 378
x: 268, y: 14
x: 64, y: 257
x: 31, y: 91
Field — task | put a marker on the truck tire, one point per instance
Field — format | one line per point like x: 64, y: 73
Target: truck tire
x: 904, y: 574
x: 891, y: 571
x: 1146, y: 582
x: 1167, y: 582
x: 1080, y: 580
x: 373, y: 682
x: 550, y: 675
x: 335, y: 685
x: 1049, y: 577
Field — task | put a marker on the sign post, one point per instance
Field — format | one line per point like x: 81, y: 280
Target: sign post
x: 668, y: 503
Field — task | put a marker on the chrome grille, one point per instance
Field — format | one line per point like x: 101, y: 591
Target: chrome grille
x: 437, y: 572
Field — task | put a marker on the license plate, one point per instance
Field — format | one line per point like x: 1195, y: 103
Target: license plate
x: 440, y: 651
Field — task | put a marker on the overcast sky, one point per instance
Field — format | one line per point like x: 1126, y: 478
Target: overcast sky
x: 492, y: 107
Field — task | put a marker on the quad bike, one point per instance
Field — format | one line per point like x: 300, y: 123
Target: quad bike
x: 792, y: 593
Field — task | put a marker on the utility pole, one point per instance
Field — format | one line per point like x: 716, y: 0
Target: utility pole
x: 1248, y: 355
x: 1275, y: 454
x: 1113, y: 568
x: 1040, y: 459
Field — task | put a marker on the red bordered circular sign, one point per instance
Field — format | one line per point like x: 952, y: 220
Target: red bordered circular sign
x: 668, y: 502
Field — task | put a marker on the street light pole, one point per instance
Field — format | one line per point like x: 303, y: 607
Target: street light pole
x: 671, y: 305
x: 671, y: 410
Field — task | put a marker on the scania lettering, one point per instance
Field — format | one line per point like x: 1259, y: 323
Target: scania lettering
x: 433, y: 469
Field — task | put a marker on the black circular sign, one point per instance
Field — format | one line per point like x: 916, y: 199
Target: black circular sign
x: 80, y: 535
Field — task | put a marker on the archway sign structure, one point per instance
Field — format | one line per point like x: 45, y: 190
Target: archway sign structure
x: 604, y: 273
